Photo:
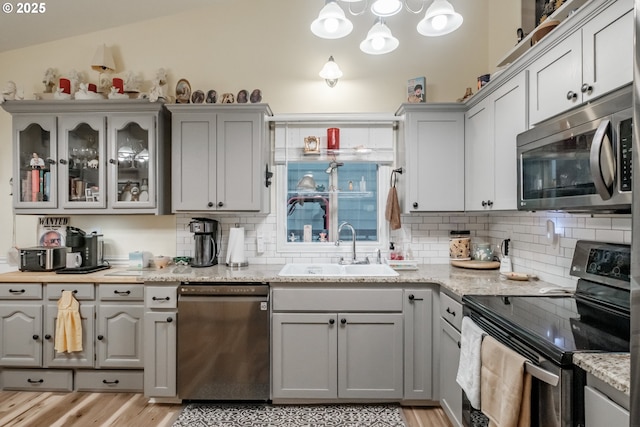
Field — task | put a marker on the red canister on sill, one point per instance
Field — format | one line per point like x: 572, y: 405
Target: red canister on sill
x: 333, y: 139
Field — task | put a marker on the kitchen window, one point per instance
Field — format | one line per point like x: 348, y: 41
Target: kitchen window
x: 321, y: 195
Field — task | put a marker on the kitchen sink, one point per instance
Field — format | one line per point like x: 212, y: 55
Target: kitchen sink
x: 337, y: 270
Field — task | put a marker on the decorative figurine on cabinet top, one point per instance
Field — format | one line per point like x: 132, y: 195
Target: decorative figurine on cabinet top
x: 256, y: 96
x: 212, y: 97
x: 49, y: 80
x: 227, y: 98
x: 183, y: 92
x: 157, y: 87
x: 242, y: 97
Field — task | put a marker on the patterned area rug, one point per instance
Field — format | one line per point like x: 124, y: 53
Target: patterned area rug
x: 263, y: 415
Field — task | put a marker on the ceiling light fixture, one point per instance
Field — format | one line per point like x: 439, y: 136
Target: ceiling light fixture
x: 331, y: 72
x: 440, y: 19
x: 379, y: 40
x: 332, y: 23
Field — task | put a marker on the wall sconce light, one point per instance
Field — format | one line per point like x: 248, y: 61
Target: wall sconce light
x: 331, y: 72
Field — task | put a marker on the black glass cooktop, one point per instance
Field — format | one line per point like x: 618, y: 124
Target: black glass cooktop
x: 554, y: 326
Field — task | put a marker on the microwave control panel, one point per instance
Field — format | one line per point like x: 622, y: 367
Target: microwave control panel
x: 626, y: 146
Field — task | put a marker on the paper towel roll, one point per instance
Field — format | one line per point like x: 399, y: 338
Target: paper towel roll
x: 235, y: 249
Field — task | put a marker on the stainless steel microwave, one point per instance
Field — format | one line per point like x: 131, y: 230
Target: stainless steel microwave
x: 579, y: 161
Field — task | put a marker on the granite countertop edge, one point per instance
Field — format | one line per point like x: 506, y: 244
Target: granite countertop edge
x: 612, y: 368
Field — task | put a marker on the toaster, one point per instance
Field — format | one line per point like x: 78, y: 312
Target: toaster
x: 42, y: 258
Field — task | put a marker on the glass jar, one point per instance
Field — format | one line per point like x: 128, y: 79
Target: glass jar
x: 460, y: 245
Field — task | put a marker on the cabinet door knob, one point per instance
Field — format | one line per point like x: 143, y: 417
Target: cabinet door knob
x: 413, y: 298
x: 220, y: 204
x: 459, y: 344
x: 100, y: 337
x: 415, y: 204
x: 63, y: 161
x: 490, y: 203
x: 113, y: 161
x: 484, y: 204
x: 343, y: 321
x: 48, y: 336
x: 50, y: 161
x: 169, y: 319
x: 572, y: 96
x: 332, y: 321
x: 586, y: 88
x: 35, y: 336
x: 453, y: 313
x: 210, y: 204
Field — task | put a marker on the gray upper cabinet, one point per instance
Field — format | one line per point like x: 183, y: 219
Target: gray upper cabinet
x: 88, y: 157
x: 585, y: 64
x: 491, y: 128
x: 431, y: 149
x: 220, y: 154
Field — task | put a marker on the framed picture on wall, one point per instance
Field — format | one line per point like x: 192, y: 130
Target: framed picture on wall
x: 416, y: 90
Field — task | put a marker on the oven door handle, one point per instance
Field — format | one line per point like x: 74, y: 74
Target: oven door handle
x: 541, y: 374
x: 602, y: 161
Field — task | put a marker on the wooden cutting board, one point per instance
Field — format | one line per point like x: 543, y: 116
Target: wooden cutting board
x: 476, y: 265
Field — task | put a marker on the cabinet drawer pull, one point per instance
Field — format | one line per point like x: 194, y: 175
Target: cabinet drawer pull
x: 343, y: 321
x: 75, y: 291
x: 160, y: 299
x: 117, y: 292
x: 453, y: 313
x: 110, y: 382
x: 413, y: 298
x: 17, y: 291
x: 40, y: 381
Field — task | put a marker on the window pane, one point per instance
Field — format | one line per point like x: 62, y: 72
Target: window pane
x: 358, y: 199
x: 323, y: 200
x: 307, y: 200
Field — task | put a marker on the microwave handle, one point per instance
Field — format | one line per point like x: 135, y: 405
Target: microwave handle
x: 602, y: 161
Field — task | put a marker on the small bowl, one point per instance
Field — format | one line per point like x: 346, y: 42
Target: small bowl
x: 161, y: 261
x: 182, y: 260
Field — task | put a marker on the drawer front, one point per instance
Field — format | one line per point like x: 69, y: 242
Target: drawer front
x: 21, y: 291
x: 81, y: 291
x: 37, y: 379
x: 108, y: 380
x: 121, y: 292
x: 451, y: 310
x: 161, y: 297
x: 328, y: 299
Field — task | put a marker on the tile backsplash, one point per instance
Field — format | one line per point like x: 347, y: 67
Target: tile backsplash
x: 427, y: 235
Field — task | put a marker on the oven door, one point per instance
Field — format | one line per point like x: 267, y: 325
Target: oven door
x: 551, y: 395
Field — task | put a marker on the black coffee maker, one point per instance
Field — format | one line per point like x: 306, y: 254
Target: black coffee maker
x: 90, y: 246
x: 204, y: 232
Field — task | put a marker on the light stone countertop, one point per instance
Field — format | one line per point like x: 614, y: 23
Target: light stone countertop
x: 612, y: 368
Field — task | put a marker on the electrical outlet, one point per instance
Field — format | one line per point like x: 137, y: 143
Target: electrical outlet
x: 260, y: 243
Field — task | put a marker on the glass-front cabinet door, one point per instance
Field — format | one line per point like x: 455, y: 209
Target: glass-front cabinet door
x: 82, y: 169
x: 132, y: 160
x: 34, y: 184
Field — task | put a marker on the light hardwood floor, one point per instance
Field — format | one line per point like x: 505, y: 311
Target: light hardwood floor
x: 43, y: 409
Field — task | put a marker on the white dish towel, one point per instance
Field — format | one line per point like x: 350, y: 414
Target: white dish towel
x: 470, y: 360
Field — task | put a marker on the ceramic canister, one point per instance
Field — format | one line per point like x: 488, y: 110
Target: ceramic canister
x: 460, y: 245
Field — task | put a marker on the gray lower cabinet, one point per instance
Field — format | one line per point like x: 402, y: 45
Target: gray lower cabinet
x: 418, y: 344
x: 220, y: 155
x: 604, y: 405
x: 337, y: 344
x: 160, y: 340
x: 111, y: 337
x: 450, y: 391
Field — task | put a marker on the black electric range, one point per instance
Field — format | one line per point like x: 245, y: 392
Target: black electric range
x: 595, y: 318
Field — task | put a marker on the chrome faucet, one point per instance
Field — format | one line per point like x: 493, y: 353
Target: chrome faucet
x: 353, y: 239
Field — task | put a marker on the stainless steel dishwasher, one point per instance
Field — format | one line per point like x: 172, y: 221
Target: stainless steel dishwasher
x: 223, y: 341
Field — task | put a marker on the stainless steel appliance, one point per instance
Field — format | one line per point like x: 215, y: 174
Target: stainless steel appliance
x: 581, y: 160
x: 634, y: 412
x: 548, y: 330
x: 41, y: 258
x: 223, y: 341
x: 90, y: 246
x: 204, y: 232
